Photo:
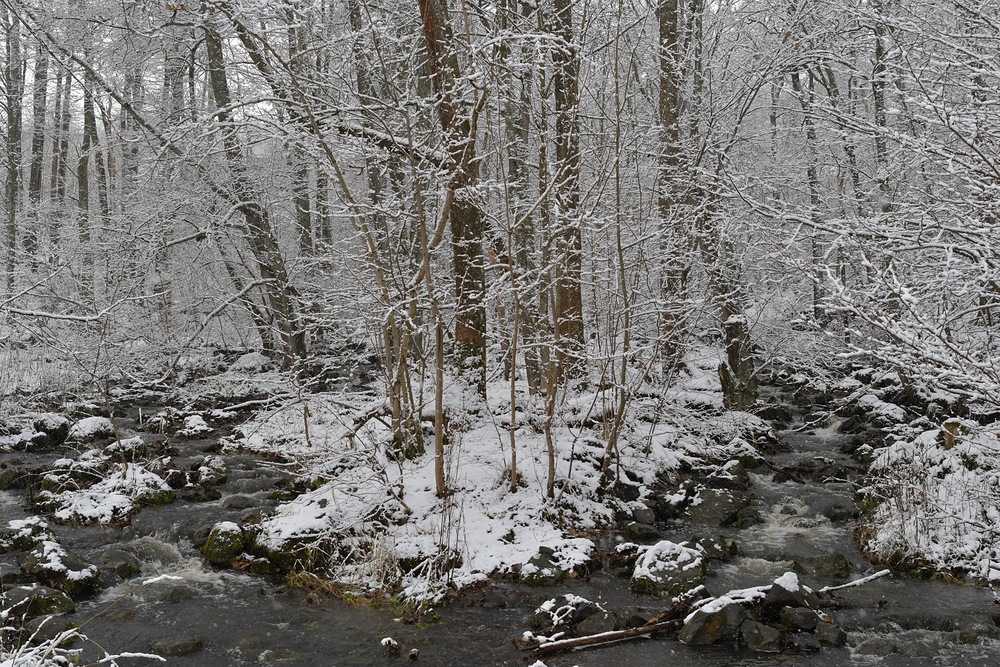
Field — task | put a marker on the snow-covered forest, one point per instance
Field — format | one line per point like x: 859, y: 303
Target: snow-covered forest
x: 492, y: 280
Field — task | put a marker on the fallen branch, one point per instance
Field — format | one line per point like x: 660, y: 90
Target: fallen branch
x: 671, y: 619
x: 550, y: 648
x: 857, y: 582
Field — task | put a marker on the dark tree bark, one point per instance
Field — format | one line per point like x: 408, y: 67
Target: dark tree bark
x: 455, y: 113
x: 60, y: 151
x: 568, y: 303
x: 39, y: 97
x: 672, y: 184
x: 297, y: 154
x: 14, y: 75
x: 83, y: 183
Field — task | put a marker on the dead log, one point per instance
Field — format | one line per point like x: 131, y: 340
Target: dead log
x: 671, y: 619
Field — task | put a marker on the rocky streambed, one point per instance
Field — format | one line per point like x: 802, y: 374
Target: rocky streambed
x: 762, y: 537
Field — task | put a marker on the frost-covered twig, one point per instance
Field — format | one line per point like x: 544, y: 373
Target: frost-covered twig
x: 857, y: 582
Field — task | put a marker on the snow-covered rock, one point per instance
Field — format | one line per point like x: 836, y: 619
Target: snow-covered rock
x: 668, y: 569
x: 91, y: 428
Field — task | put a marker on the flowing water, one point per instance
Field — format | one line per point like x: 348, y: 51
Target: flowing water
x: 246, y: 620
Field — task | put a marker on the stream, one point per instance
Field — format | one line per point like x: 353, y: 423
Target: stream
x: 162, y: 593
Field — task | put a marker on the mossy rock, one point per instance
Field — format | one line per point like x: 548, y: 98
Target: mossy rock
x: 15, y: 478
x: 54, y: 566
x: 225, y: 543
x: 158, y: 497
x: 540, y: 571
x: 22, y: 535
x: 832, y: 566
x: 717, y: 507
x: 668, y: 569
x: 32, y: 601
x: 298, y: 554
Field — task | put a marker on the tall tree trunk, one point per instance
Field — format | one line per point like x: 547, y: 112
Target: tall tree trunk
x: 281, y: 295
x: 296, y: 153
x: 806, y: 98
x: 568, y: 305
x: 14, y: 75
x: 455, y: 113
x: 39, y: 96
x: 672, y: 183
x: 880, y: 81
x: 518, y: 77
x: 83, y: 185
x: 60, y: 151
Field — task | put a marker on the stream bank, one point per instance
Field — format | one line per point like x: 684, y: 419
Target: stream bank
x: 797, y: 513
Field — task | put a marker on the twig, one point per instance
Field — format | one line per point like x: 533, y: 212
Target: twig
x: 857, y: 582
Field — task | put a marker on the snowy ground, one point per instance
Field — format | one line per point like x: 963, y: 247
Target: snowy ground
x: 935, y: 496
x: 384, y: 526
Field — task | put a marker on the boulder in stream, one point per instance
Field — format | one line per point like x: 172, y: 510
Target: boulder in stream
x: 49, y: 628
x: 89, y: 429
x: 23, y: 534
x: 781, y: 616
x: 717, y: 507
x: 759, y: 637
x: 225, y: 543
x: 51, y: 429
x: 55, y: 566
x: 35, y: 600
x: 826, y: 566
x: 178, y: 646
x: 707, y: 626
x: 668, y: 569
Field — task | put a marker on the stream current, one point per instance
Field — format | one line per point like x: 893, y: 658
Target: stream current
x: 238, y: 619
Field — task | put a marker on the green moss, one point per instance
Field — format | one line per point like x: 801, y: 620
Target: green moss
x: 157, y: 498
x: 224, y: 544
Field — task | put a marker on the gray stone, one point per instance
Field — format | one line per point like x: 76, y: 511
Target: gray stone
x: 668, y: 569
x: 802, y: 642
x: 602, y: 621
x: 721, y: 547
x: 798, y: 618
x: 12, y: 574
x: 644, y: 515
x: 831, y: 634
x: 776, y: 412
x: 55, y: 566
x: 778, y: 597
x: 52, y: 428
x: 239, y: 501
x: 880, y: 646
x: 225, y: 543
x: 559, y: 613
x: 540, y: 571
x: 704, y: 628
x: 621, y: 561
x: 817, y: 419
x: 170, y: 648
x: 641, y: 532
x: 841, y: 512
x: 716, y: 507
x: 759, y: 637
x: 116, y: 564
x: 48, y: 628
